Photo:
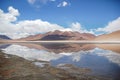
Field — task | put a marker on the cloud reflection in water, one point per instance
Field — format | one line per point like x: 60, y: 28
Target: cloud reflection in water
x: 43, y: 55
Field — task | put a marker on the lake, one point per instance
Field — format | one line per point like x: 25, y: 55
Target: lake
x: 59, y: 61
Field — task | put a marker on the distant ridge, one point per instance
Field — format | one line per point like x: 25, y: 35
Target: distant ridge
x: 4, y: 37
x: 60, y: 35
x: 114, y: 36
x: 67, y: 35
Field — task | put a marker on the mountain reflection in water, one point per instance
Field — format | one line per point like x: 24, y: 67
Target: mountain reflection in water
x: 59, y: 61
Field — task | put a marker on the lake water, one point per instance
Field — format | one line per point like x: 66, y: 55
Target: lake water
x: 59, y: 61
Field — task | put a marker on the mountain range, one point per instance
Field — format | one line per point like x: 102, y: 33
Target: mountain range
x: 67, y: 35
x: 60, y: 35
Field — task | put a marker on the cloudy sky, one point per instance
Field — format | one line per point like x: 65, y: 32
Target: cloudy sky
x: 21, y: 18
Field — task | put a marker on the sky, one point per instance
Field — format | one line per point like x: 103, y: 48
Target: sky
x: 21, y: 18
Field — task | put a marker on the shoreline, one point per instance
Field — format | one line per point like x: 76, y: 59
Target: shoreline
x: 64, y: 41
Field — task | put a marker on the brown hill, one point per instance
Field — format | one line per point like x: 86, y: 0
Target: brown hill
x: 60, y: 35
x: 114, y: 36
x: 31, y: 38
x: 4, y: 38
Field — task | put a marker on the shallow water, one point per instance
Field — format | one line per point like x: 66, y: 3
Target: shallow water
x: 28, y: 61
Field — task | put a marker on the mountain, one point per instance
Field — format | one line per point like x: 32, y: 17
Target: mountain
x: 60, y: 35
x: 4, y: 37
x: 32, y: 37
x: 114, y: 36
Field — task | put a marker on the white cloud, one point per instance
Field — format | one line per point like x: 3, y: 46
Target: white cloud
x: 39, y: 3
x: 63, y: 4
x: 111, y: 27
x: 10, y: 16
x: 37, y: 26
x: 31, y: 1
x: 23, y: 28
x: 13, y: 11
x: 78, y: 27
x: 7, y: 18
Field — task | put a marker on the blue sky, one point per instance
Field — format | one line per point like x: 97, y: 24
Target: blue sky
x: 89, y: 14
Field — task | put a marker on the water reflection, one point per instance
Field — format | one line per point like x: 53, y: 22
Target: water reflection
x: 112, y: 47
x: 99, y: 59
x: 59, y: 47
